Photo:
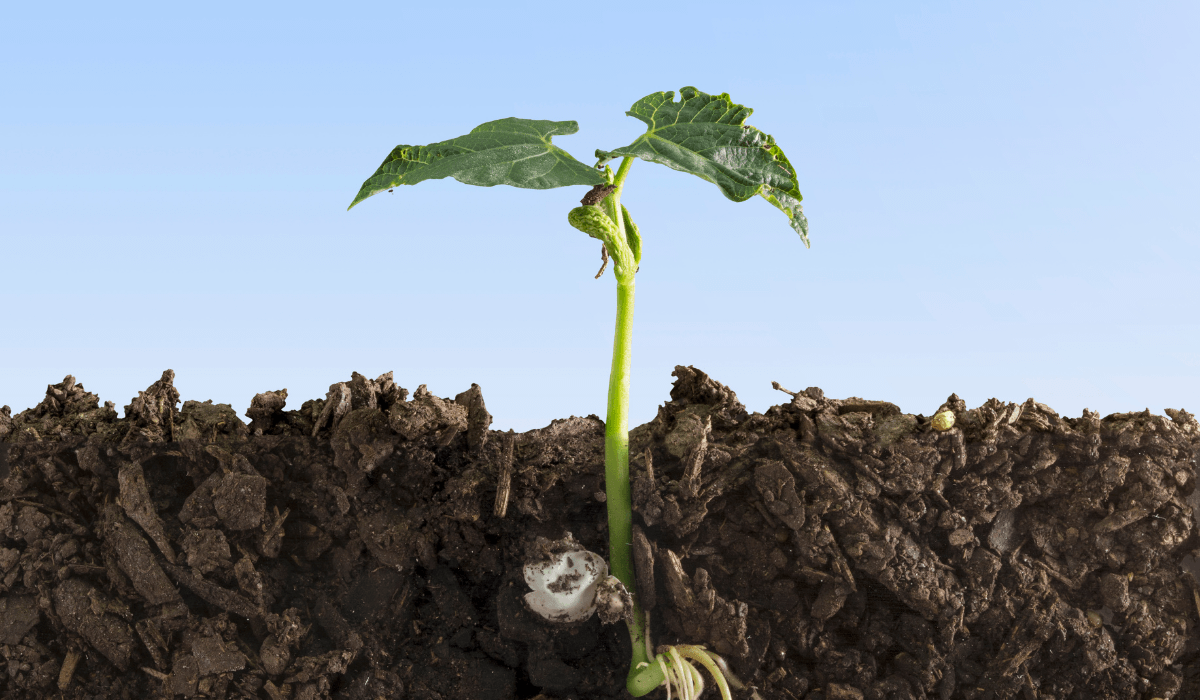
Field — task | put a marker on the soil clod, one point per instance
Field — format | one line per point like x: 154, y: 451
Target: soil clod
x: 367, y: 545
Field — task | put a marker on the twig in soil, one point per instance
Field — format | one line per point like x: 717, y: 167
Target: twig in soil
x: 212, y: 593
x: 689, y: 484
x: 504, y: 482
x: 39, y: 506
x: 777, y: 387
x: 273, y: 691
x: 157, y: 674
x: 839, y: 560
x: 86, y: 569
x: 275, y: 530
x: 447, y: 436
x: 863, y: 469
x: 251, y: 657
x: 1072, y: 584
x: 68, y: 669
x: 1028, y: 679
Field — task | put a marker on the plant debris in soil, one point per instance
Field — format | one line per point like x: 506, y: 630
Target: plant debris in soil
x: 371, y: 545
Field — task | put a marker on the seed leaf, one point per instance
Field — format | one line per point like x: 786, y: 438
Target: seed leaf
x: 706, y: 135
x: 511, y: 151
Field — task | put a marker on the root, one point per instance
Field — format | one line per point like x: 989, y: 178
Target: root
x: 681, y: 675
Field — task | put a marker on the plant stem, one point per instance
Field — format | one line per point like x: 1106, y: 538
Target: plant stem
x: 616, y: 425
x: 616, y: 459
x: 613, y: 201
x: 641, y: 680
x: 616, y: 467
x: 619, y: 181
x: 616, y: 444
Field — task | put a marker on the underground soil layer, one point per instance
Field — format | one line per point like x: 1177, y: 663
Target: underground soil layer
x: 371, y: 545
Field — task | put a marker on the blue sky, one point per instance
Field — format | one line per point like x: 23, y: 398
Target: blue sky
x: 1001, y: 199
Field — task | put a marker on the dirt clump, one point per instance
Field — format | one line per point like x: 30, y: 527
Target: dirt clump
x: 371, y: 545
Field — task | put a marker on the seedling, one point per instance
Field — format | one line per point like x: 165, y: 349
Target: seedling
x: 705, y: 135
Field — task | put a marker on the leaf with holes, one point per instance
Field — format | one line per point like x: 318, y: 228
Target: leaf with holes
x: 706, y: 135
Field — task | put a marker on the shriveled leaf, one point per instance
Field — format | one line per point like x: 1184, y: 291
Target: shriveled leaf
x: 511, y: 151
x: 706, y: 135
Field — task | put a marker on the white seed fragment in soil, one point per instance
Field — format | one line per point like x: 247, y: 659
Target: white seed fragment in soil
x: 564, y: 583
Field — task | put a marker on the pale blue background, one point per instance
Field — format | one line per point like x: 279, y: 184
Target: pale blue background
x: 1002, y: 199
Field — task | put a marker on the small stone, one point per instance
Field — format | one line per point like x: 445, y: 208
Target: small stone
x: 1114, y: 588
x: 961, y: 537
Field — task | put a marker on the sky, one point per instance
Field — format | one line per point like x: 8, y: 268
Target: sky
x: 1001, y: 201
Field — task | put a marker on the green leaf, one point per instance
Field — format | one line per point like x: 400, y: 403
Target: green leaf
x: 594, y: 222
x: 706, y: 135
x: 633, y: 236
x: 511, y: 151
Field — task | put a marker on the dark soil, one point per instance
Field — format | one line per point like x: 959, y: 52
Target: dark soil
x: 370, y: 546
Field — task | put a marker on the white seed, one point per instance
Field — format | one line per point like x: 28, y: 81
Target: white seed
x: 564, y: 585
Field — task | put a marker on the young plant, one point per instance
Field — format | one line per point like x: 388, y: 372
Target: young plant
x: 705, y: 135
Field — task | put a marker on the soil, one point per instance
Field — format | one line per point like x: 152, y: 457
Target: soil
x: 369, y: 545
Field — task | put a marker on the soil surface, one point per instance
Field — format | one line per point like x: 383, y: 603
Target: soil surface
x: 370, y: 545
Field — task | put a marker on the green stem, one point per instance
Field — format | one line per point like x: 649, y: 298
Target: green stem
x: 613, y: 201
x: 612, y: 206
x: 642, y: 678
x: 616, y: 444
x: 616, y: 467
